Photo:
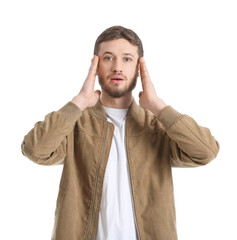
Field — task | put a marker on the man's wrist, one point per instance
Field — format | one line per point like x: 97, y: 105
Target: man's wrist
x: 80, y: 102
x: 159, y: 105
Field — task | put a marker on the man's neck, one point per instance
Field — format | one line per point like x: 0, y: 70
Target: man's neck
x: 122, y: 102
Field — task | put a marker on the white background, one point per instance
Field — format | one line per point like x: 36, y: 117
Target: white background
x: 191, y: 54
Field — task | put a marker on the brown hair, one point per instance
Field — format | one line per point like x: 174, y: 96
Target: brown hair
x: 117, y: 32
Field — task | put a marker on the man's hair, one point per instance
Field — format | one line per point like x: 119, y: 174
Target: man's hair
x: 118, y: 32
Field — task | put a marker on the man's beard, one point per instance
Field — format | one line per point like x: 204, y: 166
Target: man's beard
x: 117, y: 93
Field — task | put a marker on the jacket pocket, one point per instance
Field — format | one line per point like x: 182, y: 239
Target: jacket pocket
x: 61, y: 196
x: 60, y: 199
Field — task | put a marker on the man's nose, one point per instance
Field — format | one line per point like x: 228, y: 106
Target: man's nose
x: 117, y: 66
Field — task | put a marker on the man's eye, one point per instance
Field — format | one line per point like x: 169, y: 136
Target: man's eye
x: 127, y: 59
x: 108, y: 58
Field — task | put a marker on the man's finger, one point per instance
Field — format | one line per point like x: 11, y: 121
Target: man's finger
x: 144, y: 72
x: 90, y: 80
x: 93, y: 67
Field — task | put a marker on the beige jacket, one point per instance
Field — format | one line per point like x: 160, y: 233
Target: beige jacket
x: 154, y: 144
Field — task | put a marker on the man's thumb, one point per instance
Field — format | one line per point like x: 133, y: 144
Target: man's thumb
x: 98, y: 92
x: 140, y: 94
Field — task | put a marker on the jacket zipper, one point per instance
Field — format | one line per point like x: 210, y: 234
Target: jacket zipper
x: 93, y: 207
x: 131, y: 186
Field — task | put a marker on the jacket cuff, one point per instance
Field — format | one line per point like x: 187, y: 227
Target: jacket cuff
x: 71, y: 112
x: 169, y: 116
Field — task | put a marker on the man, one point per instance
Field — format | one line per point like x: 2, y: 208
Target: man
x: 117, y: 180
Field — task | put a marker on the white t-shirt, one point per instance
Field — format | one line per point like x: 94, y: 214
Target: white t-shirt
x: 116, y: 216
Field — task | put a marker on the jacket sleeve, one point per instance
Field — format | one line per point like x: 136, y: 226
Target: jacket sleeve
x: 190, y: 144
x: 46, y: 143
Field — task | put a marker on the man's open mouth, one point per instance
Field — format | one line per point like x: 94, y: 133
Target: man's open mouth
x: 116, y: 79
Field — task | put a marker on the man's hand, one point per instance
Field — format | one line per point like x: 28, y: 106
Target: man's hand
x: 87, y: 97
x: 148, y: 98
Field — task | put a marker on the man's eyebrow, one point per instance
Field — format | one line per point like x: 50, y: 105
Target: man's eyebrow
x: 107, y: 53
x: 129, y: 54
x: 126, y: 54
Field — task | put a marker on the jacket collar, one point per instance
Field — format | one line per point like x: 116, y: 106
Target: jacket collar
x: 99, y: 112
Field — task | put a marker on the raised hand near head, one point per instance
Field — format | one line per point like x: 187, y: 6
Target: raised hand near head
x: 87, y: 96
x: 148, y: 97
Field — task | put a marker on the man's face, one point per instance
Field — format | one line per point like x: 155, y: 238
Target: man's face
x: 118, y: 67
